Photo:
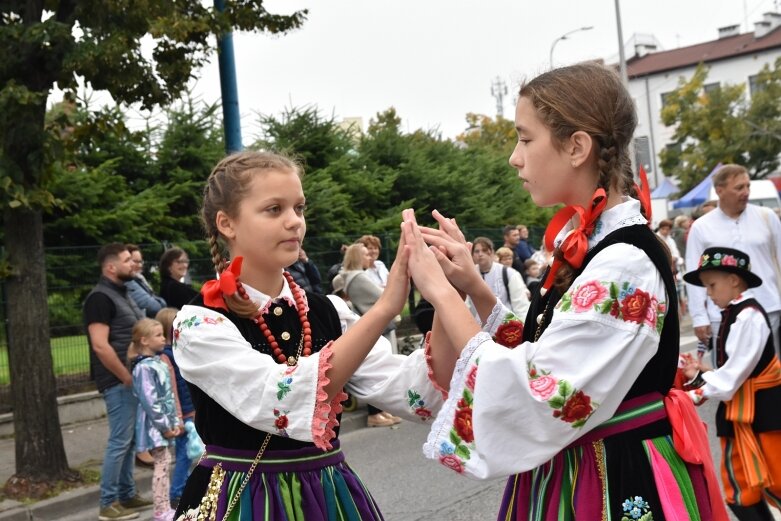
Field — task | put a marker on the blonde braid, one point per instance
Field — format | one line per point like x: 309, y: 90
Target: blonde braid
x: 214, y: 247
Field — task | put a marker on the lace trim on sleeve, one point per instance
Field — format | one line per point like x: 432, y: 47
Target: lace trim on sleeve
x: 444, y: 419
x: 428, y: 357
x: 324, y: 420
x: 495, y: 319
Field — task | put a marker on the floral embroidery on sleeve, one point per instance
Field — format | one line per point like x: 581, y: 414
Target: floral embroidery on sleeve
x: 510, y: 332
x: 418, y: 405
x: 194, y: 321
x: 624, y: 302
x: 283, y: 385
x: 568, y: 403
x: 281, y: 422
x: 455, y: 451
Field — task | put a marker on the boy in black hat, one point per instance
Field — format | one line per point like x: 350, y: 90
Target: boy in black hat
x: 747, y: 380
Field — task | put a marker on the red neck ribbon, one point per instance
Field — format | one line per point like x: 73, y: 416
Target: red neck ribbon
x: 575, y: 245
x: 644, y: 194
x: 214, y: 290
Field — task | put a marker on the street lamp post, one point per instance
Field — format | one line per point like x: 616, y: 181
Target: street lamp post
x: 564, y: 37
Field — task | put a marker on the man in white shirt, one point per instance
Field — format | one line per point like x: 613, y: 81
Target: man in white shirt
x: 505, y: 282
x: 747, y: 227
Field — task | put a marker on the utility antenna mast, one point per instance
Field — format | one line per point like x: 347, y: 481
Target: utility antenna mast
x: 499, y: 91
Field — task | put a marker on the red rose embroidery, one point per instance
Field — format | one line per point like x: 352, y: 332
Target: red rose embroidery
x: 423, y: 412
x: 281, y: 422
x: 650, y: 314
x: 452, y: 462
x: 578, y: 407
x: 471, y: 378
x: 729, y: 260
x: 614, y: 309
x: 463, y: 424
x: 543, y: 387
x: 635, y: 306
x: 510, y: 334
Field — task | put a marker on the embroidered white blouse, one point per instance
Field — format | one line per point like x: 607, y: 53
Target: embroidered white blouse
x: 212, y: 354
x: 511, y: 410
x: 745, y: 344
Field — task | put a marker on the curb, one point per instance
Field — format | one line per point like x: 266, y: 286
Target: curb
x: 79, y: 499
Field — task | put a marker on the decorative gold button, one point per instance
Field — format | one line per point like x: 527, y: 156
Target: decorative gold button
x: 291, y: 360
x: 285, y: 335
x: 539, y: 319
x: 278, y: 312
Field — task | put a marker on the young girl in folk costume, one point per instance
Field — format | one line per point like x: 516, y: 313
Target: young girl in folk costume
x: 576, y: 406
x: 157, y: 420
x: 266, y: 362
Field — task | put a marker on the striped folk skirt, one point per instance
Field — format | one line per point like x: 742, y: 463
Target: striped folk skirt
x: 625, y: 470
x: 287, y: 485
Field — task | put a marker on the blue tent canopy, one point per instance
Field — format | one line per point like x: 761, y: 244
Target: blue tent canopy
x: 697, y: 195
x: 665, y: 188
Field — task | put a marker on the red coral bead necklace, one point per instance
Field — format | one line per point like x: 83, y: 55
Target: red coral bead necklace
x: 305, y: 344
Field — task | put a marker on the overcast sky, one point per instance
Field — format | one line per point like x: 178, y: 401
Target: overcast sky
x: 435, y: 60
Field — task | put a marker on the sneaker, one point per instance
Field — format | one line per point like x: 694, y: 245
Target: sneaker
x: 378, y: 420
x: 395, y: 419
x: 164, y: 516
x: 135, y: 503
x: 116, y: 512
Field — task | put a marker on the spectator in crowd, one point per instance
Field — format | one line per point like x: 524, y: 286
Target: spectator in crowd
x: 680, y: 231
x: 504, y: 256
x: 511, y: 240
x: 157, y: 419
x: 664, y: 232
x: 704, y: 208
x: 506, y: 283
x: 139, y: 289
x: 363, y: 293
x: 377, y: 271
x: 305, y: 273
x: 173, y: 268
x: 335, y: 269
x: 752, y: 229
x: 109, y: 316
x: 184, y: 405
x: 533, y: 274
x: 523, y: 250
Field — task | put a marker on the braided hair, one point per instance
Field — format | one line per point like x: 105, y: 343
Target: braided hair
x: 227, y: 185
x: 591, y: 98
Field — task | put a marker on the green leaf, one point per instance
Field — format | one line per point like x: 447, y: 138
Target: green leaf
x: 455, y: 439
x: 556, y: 401
x: 462, y: 451
x: 565, y: 388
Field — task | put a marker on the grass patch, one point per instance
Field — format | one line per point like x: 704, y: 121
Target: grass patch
x: 70, y: 355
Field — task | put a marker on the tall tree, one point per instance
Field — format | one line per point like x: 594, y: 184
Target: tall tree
x: 720, y: 125
x: 48, y: 42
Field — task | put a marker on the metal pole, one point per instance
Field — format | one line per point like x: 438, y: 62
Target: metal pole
x: 564, y: 37
x: 621, y: 55
x: 229, y: 88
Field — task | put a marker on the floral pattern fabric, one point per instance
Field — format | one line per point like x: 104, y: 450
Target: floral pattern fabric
x: 539, y: 397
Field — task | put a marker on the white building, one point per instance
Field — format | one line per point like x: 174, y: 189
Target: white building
x: 732, y: 58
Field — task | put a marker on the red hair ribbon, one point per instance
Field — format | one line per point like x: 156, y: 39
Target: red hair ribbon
x: 644, y: 194
x: 214, y: 290
x: 575, y: 245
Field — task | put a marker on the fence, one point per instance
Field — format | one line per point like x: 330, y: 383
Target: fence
x: 72, y: 272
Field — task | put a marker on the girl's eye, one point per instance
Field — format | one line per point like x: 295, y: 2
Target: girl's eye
x: 524, y: 140
x: 300, y: 209
x: 273, y: 209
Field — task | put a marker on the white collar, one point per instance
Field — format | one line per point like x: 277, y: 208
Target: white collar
x: 749, y: 293
x: 626, y: 213
x: 264, y: 301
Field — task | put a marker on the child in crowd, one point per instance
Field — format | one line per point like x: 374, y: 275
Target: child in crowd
x: 157, y: 421
x: 266, y: 362
x: 533, y: 272
x: 575, y: 405
x: 184, y: 403
x: 504, y: 256
x: 747, y: 380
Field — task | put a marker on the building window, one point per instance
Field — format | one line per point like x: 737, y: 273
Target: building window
x: 643, y: 153
x: 753, y: 85
x: 710, y: 87
x: 666, y: 98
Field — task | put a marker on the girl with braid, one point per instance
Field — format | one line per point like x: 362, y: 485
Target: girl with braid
x: 574, y: 402
x: 266, y: 362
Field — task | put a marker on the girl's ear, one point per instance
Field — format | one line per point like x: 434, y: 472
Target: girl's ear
x: 225, y: 225
x: 579, y: 148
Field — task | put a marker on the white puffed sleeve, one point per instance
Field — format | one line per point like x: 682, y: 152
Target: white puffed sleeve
x: 510, y: 410
x: 402, y: 385
x: 213, y: 355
